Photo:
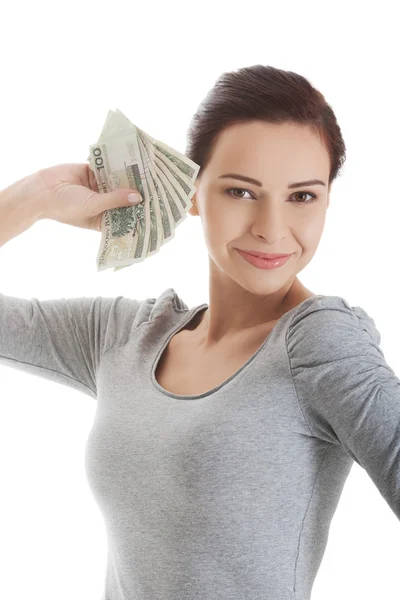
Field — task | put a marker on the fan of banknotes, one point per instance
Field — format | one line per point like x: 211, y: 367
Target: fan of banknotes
x: 125, y: 156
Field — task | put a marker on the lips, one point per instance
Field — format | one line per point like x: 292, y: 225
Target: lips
x: 265, y: 254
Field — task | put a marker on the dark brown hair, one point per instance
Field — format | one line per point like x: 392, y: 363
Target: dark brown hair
x: 268, y: 94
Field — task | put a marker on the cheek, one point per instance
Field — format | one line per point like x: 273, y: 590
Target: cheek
x: 314, y: 226
x: 221, y: 226
x: 310, y: 232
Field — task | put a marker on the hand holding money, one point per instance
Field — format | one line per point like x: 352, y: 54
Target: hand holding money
x: 126, y: 157
x: 69, y: 194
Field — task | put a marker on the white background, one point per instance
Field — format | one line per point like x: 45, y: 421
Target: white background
x: 63, y: 66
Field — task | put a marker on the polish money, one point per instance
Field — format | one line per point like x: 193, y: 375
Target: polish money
x: 125, y: 156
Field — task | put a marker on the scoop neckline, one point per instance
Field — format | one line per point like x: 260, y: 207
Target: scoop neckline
x: 181, y: 324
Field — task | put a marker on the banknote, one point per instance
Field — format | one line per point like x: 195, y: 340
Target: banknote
x: 126, y: 156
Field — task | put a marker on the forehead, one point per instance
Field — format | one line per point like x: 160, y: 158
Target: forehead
x: 257, y: 147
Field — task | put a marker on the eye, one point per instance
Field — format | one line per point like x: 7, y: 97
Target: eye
x: 240, y: 189
x: 313, y: 196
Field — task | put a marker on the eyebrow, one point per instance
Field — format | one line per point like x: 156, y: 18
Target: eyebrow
x: 256, y: 182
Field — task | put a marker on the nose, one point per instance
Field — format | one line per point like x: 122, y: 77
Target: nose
x: 270, y: 223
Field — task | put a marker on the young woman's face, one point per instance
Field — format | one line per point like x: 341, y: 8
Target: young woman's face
x: 267, y: 218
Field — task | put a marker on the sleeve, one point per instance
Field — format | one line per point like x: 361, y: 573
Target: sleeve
x: 64, y: 339
x: 347, y: 392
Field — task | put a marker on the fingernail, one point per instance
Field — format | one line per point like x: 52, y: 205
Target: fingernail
x: 134, y: 198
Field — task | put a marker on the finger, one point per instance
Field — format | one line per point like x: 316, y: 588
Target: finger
x: 92, y: 179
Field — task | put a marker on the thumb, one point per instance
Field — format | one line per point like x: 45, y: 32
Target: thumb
x: 118, y: 198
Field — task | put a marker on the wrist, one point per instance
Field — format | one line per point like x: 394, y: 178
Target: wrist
x: 21, y: 206
x: 25, y: 199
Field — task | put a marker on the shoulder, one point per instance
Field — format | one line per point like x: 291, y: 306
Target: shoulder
x: 328, y: 324
x: 139, y: 311
x: 122, y: 316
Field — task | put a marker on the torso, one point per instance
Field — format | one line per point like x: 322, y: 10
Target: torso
x: 184, y: 370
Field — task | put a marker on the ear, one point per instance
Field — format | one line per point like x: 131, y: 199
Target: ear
x: 193, y: 209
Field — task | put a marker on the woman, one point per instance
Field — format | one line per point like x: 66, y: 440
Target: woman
x: 224, y: 433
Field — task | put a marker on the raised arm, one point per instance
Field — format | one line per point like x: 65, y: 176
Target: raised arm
x: 65, y: 193
x: 62, y: 339
x: 21, y: 206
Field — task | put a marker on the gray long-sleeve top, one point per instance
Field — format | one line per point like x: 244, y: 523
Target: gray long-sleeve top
x: 228, y: 494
